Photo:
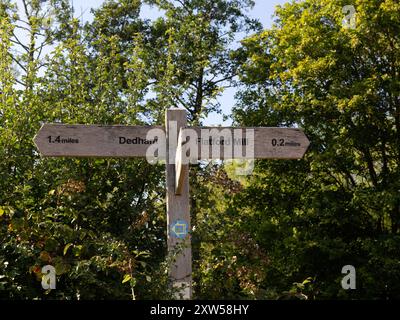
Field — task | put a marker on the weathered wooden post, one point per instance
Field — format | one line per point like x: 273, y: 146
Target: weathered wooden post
x: 178, y: 208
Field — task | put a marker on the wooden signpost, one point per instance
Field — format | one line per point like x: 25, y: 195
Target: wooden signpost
x: 64, y: 140
x: 177, y: 145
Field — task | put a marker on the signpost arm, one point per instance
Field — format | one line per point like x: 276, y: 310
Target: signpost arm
x: 178, y: 208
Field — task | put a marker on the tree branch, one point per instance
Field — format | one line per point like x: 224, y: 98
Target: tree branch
x: 17, y: 41
x: 18, y: 63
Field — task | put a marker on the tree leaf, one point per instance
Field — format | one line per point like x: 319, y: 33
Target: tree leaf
x: 127, y: 277
x: 66, y: 248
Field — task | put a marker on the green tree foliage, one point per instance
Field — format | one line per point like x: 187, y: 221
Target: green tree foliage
x: 341, y: 204
x: 94, y: 220
x: 181, y: 59
x: 189, y: 52
x: 101, y: 223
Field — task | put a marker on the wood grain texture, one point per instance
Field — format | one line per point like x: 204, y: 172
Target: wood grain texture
x: 244, y: 143
x: 94, y: 140
x: 178, y: 207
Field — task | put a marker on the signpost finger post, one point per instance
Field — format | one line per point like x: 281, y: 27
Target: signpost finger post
x: 178, y: 145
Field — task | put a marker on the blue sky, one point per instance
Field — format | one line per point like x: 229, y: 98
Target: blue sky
x: 263, y: 11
